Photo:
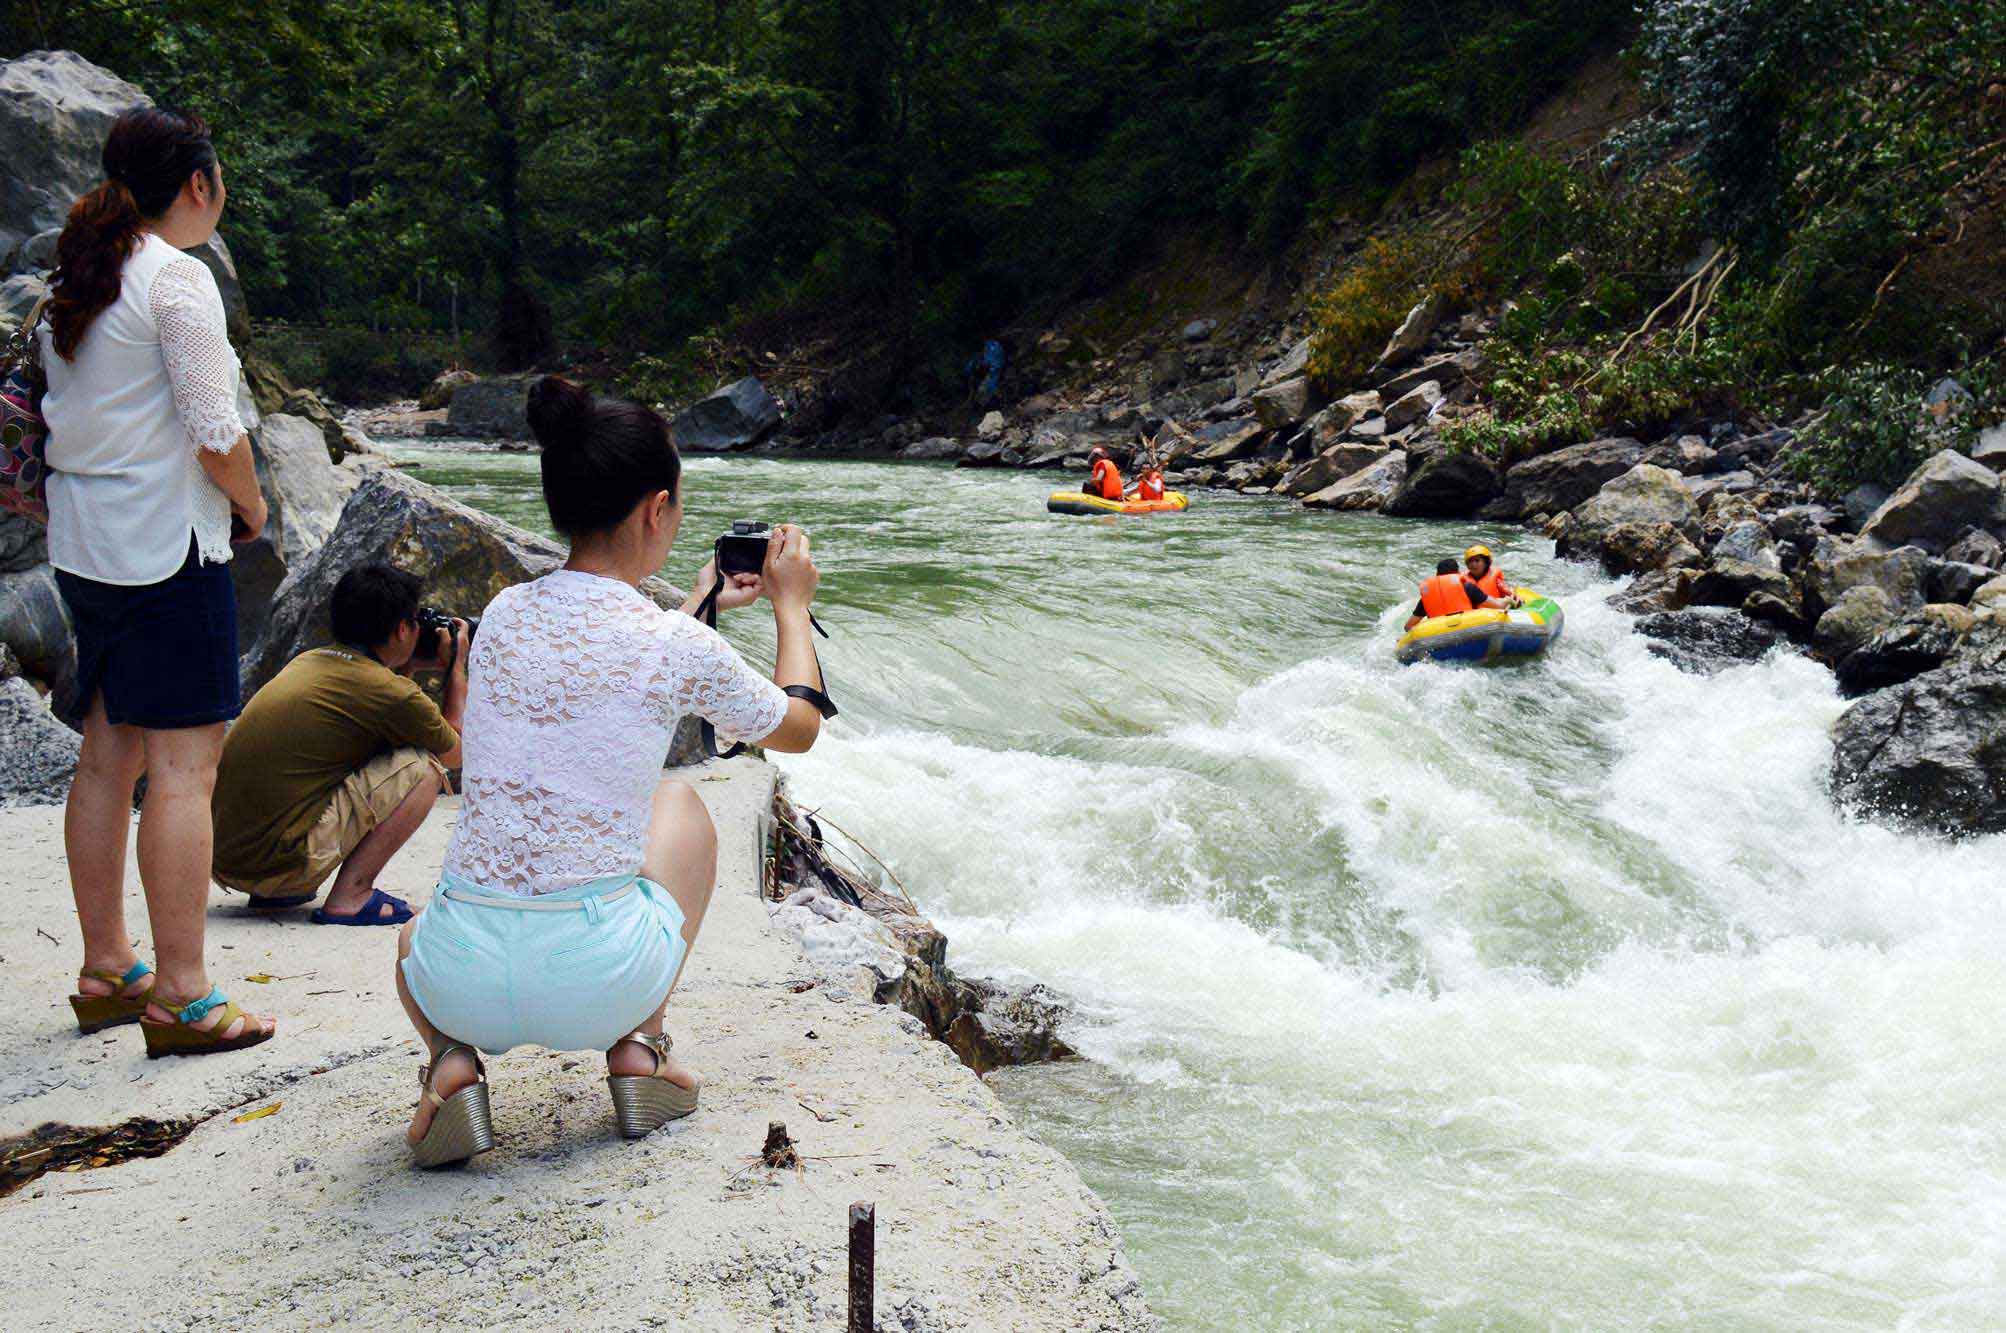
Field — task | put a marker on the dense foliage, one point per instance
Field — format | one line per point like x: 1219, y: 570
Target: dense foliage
x: 1807, y: 215
x: 911, y: 172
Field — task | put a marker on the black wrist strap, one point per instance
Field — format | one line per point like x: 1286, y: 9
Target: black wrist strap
x: 707, y: 613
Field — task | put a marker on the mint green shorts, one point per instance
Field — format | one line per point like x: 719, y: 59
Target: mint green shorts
x: 499, y: 972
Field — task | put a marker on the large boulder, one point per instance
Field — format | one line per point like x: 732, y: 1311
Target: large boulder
x: 1369, y: 488
x: 1942, y: 498
x: 737, y: 416
x: 1645, y: 494
x: 1292, y: 364
x: 304, y: 494
x: 1454, y: 371
x: 1916, y: 643
x: 19, y: 295
x: 1839, y: 564
x: 1447, y: 483
x: 439, y: 393
x: 934, y: 447
x: 1744, y: 561
x: 24, y: 543
x: 35, y: 628
x: 1853, y: 622
x: 1646, y: 548
x: 1417, y: 404
x: 38, y: 754
x: 492, y: 409
x: 1334, y: 422
x: 1221, y: 442
x: 1931, y: 751
x: 1564, y: 478
x: 1283, y: 404
x: 464, y: 556
x: 307, y: 404
x: 55, y: 110
x: 1705, y: 641
x: 1331, y: 466
x: 215, y: 256
x: 1413, y: 333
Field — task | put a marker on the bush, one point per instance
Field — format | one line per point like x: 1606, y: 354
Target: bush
x: 1351, y: 321
x: 1874, y: 427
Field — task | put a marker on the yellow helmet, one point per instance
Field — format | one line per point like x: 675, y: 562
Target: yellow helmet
x: 1476, y: 551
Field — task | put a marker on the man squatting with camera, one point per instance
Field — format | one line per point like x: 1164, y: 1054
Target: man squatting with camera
x: 339, y: 758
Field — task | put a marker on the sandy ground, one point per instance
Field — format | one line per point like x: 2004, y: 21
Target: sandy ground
x: 310, y: 1217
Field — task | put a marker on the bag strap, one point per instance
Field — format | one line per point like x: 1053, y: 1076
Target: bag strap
x: 707, y: 613
x: 22, y: 347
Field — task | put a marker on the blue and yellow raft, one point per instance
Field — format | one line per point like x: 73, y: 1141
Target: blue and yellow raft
x: 1486, y: 637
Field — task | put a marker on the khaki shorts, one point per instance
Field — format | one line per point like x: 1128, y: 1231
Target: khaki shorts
x: 364, y: 799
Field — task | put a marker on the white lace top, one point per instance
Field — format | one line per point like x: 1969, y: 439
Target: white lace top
x: 574, y: 687
x: 154, y: 380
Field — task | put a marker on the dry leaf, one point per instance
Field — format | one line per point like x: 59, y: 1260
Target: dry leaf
x: 258, y: 1114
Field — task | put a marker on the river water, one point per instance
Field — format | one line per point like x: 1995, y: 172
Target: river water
x: 1556, y: 996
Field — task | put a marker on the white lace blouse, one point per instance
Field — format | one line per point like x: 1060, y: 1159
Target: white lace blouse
x: 574, y: 688
x: 153, y: 382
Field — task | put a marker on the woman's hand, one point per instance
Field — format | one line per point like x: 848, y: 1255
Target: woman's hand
x: 739, y: 589
x: 790, y: 576
x: 246, y: 525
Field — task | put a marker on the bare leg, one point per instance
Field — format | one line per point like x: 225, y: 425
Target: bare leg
x: 356, y: 879
x: 175, y: 841
x: 96, y: 823
x: 682, y: 858
x: 458, y: 1069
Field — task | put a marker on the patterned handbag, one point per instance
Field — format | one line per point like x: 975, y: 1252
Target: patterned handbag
x: 24, y: 435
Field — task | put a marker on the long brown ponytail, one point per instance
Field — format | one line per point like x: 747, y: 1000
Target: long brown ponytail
x: 148, y: 157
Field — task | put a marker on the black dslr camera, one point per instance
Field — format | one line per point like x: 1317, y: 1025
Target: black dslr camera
x: 743, y: 549
x: 435, y: 636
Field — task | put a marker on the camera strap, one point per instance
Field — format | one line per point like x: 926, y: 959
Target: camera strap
x: 707, y: 613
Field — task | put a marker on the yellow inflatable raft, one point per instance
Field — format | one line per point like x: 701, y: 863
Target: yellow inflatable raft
x: 1487, y: 637
x: 1078, y: 502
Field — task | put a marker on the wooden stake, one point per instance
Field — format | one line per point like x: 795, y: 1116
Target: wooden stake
x: 863, y: 1267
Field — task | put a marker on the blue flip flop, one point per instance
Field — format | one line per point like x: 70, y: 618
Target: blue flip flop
x: 369, y: 914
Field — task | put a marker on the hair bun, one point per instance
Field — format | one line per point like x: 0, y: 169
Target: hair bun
x: 559, y: 412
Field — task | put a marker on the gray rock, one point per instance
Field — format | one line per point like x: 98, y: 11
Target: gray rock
x: 1977, y: 547
x: 1658, y: 590
x: 37, y: 254
x: 1447, y: 483
x: 306, y: 491
x: 991, y: 426
x: 19, y: 295
x: 1838, y: 564
x: 737, y: 416
x: 1912, y: 645
x: 1198, y: 330
x: 306, y: 404
x: 1861, y: 502
x: 1369, y: 488
x: 1946, y: 398
x: 1705, y: 641
x: 1743, y: 562
x: 1704, y: 489
x: 1331, y: 466
x: 491, y: 409
x: 439, y: 393
x: 1452, y: 370
x: 1643, y: 495
x: 1851, y: 623
x: 933, y: 447
x: 35, y: 628
x: 1564, y: 478
x: 1291, y: 365
x: 38, y: 754
x: 1688, y: 454
x: 1417, y: 404
x: 1802, y: 525
x: 1221, y: 442
x: 984, y: 453
x: 1751, y: 451
x: 1946, y: 495
x: 1955, y: 582
x: 1283, y: 404
x: 1642, y: 548
x: 1991, y: 448
x: 1932, y: 751
x: 1414, y: 331
x: 55, y: 110
x: 24, y: 543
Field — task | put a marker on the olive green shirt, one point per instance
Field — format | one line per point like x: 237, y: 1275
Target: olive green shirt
x: 329, y: 712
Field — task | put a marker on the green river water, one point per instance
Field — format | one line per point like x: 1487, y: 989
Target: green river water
x: 1556, y: 996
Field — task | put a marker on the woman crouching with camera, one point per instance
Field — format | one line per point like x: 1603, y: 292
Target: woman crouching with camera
x: 578, y: 875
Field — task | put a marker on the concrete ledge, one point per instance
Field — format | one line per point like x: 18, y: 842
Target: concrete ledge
x: 310, y: 1216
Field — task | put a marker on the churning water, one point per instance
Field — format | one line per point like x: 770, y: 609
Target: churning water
x: 1413, y: 997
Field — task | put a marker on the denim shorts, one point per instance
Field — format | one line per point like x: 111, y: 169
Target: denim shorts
x: 498, y: 977
x: 163, y: 655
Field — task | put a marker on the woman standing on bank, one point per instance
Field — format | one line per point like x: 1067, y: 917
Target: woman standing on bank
x: 578, y: 875
x: 149, y: 465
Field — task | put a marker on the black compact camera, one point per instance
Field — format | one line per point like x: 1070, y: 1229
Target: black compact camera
x: 743, y: 549
x: 435, y: 635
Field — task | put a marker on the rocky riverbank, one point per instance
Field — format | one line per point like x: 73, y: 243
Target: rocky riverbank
x: 307, y: 1215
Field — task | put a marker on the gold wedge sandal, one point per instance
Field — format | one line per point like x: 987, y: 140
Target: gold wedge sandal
x: 98, y: 1012
x: 461, y: 1124
x: 643, y: 1104
x: 182, y: 1037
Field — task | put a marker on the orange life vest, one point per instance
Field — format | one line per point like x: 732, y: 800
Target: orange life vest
x: 1152, y: 486
x: 1444, y: 595
x: 1106, y: 482
x: 1493, y: 584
